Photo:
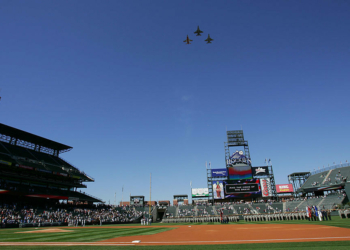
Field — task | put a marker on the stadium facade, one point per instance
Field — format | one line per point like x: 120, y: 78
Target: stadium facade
x: 32, y: 171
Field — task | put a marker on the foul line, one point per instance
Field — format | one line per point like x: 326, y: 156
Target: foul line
x: 63, y: 244
x: 292, y: 239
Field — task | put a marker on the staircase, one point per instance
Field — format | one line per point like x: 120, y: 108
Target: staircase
x: 325, y: 178
x: 195, y: 210
x: 269, y: 207
x: 233, y: 209
x: 300, y: 205
x: 252, y: 209
x: 176, y: 212
x: 319, y: 204
x: 215, y: 212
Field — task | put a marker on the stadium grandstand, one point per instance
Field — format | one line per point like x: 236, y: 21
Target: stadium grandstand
x: 38, y: 187
x: 32, y: 171
x: 323, y: 182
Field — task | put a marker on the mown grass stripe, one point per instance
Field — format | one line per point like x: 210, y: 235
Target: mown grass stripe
x: 96, y: 235
x: 88, y: 235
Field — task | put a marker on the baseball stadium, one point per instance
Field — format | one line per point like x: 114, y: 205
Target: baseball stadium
x: 241, y: 206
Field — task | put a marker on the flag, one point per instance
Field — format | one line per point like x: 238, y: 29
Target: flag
x: 308, y: 211
x: 316, y: 213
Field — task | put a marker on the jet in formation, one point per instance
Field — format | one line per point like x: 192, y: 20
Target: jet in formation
x: 209, y: 39
x: 198, y: 32
x: 187, y: 41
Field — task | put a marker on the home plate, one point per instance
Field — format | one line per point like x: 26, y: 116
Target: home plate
x: 136, y: 241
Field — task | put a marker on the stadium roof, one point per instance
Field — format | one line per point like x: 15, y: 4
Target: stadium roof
x: 299, y: 173
x: 38, y: 140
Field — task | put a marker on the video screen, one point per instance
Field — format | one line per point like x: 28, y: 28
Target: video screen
x: 240, y: 172
x: 242, y: 188
x: 136, y: 201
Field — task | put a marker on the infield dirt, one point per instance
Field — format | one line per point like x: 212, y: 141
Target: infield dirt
x: 238, y: 234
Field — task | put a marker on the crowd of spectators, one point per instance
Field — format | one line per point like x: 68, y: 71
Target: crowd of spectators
x: 186, y: 212
x: 10, y: 214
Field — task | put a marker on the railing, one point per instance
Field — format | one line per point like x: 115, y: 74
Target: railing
x: 88, y: 195
x: 342, y: 165
x: 77, y: 169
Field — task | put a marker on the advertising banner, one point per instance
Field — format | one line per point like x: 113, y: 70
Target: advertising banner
x: 266, y: 189
x: 220, y: 172
x: 44, y: 170
x: 48, y: 196
x: 63, y: 174
x: 6, y: 162
x: 241, y: 172
x: 284, y: 188
x: 25, y: 167
x: 260, y: 171
x: 200, y: 192
x: 218, y: 189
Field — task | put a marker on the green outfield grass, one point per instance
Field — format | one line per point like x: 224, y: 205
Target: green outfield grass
x: 75, y: 234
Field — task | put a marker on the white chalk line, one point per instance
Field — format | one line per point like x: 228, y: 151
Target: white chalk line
x: 64, y: 244
x: 230, y: 241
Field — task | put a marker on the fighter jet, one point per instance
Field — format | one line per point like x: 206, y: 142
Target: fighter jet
x: 198, y: 32
x: 187, y: 41
x: 208, y: 40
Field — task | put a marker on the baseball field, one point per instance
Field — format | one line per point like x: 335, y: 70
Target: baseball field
x: 334, y: 234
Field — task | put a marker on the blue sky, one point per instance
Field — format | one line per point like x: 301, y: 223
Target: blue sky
x: 114, y: 80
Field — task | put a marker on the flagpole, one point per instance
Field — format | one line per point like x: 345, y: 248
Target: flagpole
x: 150, y: 197
x: 122, y: 195
x: 191, y: 191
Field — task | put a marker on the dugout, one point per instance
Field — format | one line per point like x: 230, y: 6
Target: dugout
x: 160, y: 210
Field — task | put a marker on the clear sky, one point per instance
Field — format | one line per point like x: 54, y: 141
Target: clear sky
x: 114, y: 80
